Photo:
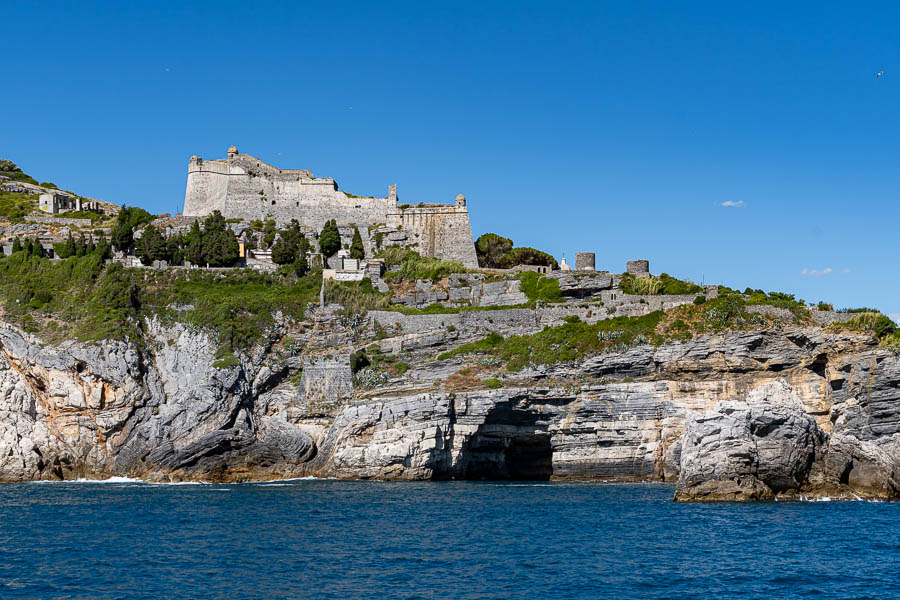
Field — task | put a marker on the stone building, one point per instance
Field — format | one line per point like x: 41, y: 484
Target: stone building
x: 57, y: 202
x: 245, y: 187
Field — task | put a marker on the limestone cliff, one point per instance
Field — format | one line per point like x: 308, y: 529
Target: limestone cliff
x: 784, y: 411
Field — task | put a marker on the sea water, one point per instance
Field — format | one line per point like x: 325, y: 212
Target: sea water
x: 334, y: 539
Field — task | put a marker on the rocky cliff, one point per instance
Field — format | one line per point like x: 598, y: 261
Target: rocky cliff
x: 782, y: 411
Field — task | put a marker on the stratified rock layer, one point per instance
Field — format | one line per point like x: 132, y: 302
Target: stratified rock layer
x: 743, y: 415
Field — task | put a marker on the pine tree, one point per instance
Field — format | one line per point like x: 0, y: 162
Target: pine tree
x: 28, y: 246
x: 36, y: 249
x: 17, y: 245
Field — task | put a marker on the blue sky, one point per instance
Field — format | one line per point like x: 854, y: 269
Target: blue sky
x: 748, y: 144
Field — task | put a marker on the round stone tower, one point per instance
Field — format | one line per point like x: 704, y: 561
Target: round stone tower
x: 638, y: 268
x: 584, y: 261
x: 232, y: 151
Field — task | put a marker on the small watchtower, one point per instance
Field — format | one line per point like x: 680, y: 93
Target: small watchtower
x: 461, y: 201
x: 232, y: 151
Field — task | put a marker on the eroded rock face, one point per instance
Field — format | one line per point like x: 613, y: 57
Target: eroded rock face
x: 745, y: 415
x: 94, y: 411
x: 768, y: 446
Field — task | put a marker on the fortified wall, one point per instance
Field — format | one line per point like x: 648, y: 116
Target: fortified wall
x: 244, y: 187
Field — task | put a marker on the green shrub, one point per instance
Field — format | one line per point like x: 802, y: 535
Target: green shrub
x: 493, y: 383
x: 779, y: 299
x: 665, y: 284
x: 539, y: 288
x: 700, y: 300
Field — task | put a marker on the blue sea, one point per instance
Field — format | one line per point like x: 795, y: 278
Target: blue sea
x: 342, y: 540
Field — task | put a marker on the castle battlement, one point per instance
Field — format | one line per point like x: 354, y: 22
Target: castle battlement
x: 243, y: 186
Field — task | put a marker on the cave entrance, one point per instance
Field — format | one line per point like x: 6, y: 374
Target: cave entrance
x: 519, y: 456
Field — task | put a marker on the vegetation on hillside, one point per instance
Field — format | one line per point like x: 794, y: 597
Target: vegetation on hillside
x: 9, y: 169
x: 14, y: 205
x: 879, y: 325
x: 214, y: 244
x: 565, y: 343
x: 84, y: 298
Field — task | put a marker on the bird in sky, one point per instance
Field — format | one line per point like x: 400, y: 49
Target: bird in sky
x: 879, y: 74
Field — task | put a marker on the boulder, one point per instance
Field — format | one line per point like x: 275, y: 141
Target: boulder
x: 749, y: 450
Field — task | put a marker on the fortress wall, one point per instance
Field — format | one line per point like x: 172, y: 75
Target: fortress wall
x: 440, y: 231
x: 244, y: 187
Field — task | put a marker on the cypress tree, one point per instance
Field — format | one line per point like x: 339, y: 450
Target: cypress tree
x: 68, y: 248
x: 329, y: 239
x: 193, y: 245
x: 17, y: 245
x: 357, y: 250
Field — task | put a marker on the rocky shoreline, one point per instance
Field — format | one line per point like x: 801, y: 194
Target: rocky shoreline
x: 745, y: 415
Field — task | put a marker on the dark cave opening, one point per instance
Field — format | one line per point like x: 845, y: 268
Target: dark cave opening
x: 517, y: 456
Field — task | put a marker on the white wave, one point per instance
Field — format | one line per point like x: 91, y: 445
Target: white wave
x: 121, y: 480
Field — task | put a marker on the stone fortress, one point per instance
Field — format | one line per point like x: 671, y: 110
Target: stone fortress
x: 244, y: 187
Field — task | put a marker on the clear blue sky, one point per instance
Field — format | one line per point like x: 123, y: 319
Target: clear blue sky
x: 617, y: 127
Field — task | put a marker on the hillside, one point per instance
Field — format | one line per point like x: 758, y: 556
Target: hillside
x: 431, y: 370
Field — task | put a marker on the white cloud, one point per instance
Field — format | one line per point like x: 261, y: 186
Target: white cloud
x: 815, y: 272
x: 895, y: 317
x: 733, y: 204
